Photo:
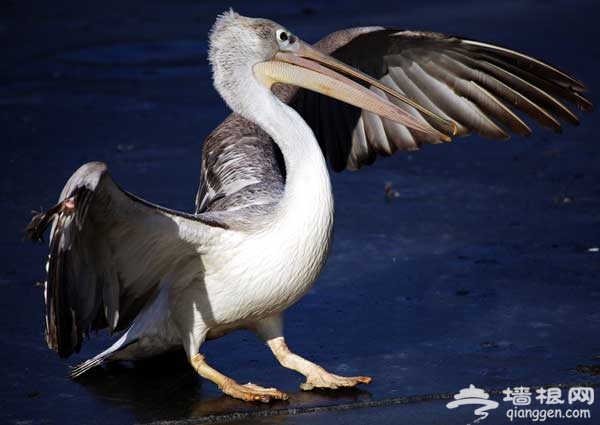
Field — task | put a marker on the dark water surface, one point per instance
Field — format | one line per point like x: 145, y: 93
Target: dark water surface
x: 482, y: 271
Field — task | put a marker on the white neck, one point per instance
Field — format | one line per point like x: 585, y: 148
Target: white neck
x: 295, y: 243
x: 308, y: 188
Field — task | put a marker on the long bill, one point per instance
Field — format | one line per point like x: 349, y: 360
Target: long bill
x: 292, y: 69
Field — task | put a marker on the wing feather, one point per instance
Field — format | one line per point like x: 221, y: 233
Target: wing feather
x: 525, y: 87
x: 498, y: 88
x: 109, y: 253
x: 482, y: 98
x: 479, y: 86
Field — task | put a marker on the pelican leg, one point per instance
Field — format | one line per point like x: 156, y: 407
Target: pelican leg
x: 247, y: 392
x: 270, y: 330
x: 191, y: 324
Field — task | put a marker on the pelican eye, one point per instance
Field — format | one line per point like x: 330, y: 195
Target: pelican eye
x: 284, y: 38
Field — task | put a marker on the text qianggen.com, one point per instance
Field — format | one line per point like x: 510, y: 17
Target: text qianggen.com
x: 543, y: 414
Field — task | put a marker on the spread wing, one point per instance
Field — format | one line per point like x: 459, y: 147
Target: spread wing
x: 483, y: 88
x: 110, y: 252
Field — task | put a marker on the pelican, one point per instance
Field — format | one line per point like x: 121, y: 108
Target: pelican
x: 264, y: 210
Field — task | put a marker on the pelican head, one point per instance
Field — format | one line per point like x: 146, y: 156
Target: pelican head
x: 249, y: 55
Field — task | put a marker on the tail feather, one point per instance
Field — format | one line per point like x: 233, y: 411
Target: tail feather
x: 82, y: 368
x: 97, y: 360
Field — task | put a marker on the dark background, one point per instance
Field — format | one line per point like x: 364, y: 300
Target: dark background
x: 482, y: 271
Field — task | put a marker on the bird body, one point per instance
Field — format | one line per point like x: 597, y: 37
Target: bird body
x: 258, y: 273
x: 237, y: 277
x: 263, y: 224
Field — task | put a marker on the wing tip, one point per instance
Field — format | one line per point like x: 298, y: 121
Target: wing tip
x: 34, y: 231
x: 584, y: 103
